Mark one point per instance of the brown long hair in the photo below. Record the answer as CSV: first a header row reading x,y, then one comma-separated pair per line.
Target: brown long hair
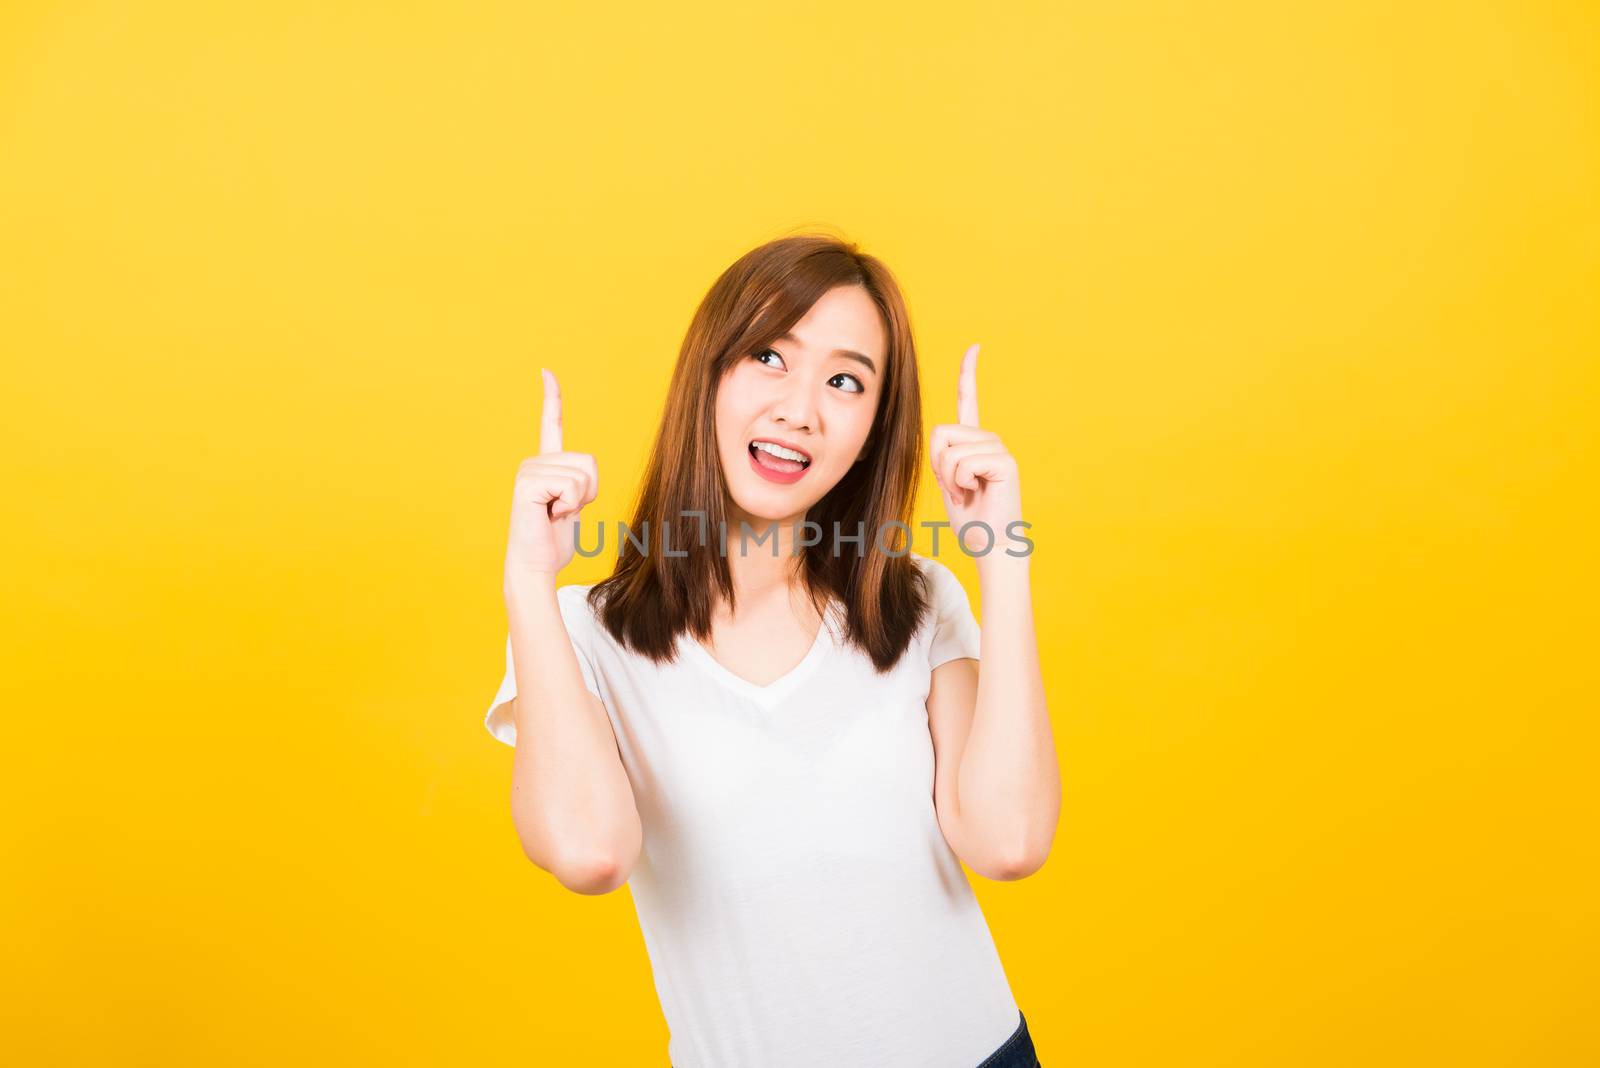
x,y
650,598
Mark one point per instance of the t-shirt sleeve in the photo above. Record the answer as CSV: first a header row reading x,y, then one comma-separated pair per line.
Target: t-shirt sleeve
x,y
955,629
580,623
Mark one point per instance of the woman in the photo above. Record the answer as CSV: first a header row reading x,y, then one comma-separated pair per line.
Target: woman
x,y
781,741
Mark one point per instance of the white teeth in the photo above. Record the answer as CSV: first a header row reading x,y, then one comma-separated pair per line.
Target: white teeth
x,y
779,450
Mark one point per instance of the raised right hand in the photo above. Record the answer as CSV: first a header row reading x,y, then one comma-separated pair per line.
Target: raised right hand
x,y
551,489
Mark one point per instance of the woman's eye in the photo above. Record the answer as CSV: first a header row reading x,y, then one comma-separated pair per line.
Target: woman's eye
x,y
854,385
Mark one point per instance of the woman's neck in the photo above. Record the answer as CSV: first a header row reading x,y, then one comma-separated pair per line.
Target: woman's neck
x,y
756,570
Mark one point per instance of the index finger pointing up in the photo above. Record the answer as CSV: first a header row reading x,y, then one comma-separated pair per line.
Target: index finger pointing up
x,y
967,388
550,420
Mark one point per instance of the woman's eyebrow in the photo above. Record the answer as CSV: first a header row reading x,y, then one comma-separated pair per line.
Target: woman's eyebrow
x,y
849,354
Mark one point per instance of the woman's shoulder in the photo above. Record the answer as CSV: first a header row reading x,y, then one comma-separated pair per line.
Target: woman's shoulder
x,y
573,600
575,592
939,574
946,594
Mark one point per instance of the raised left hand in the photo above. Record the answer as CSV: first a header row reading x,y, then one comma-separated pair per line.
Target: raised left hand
x,y
976,473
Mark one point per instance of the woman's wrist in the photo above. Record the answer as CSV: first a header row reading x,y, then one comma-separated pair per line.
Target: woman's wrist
x,y
1000,568
524,586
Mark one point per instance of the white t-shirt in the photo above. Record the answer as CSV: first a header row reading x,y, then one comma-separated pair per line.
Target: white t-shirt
x,y
798,902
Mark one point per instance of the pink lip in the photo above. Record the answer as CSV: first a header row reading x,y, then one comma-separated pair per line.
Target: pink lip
x,y
782,477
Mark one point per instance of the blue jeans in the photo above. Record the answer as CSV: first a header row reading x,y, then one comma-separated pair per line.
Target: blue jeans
x,y
1016,1051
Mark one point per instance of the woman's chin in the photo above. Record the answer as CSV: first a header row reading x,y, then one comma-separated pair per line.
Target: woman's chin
x,y
764,508
765,514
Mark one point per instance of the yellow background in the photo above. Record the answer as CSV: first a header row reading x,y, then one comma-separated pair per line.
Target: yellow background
x,y
1288,312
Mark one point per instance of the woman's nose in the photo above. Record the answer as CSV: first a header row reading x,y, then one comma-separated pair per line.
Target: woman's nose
x,y
795,409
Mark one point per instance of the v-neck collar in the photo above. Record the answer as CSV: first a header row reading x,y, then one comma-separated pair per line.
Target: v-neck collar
x,y
779,687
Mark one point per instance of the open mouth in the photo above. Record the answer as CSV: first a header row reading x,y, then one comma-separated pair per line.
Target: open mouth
x,y
784,463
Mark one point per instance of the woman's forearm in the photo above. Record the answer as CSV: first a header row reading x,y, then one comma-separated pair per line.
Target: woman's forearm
x,y
571,801
1009,780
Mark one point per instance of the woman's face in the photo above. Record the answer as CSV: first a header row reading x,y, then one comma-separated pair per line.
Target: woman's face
x,y
814,391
